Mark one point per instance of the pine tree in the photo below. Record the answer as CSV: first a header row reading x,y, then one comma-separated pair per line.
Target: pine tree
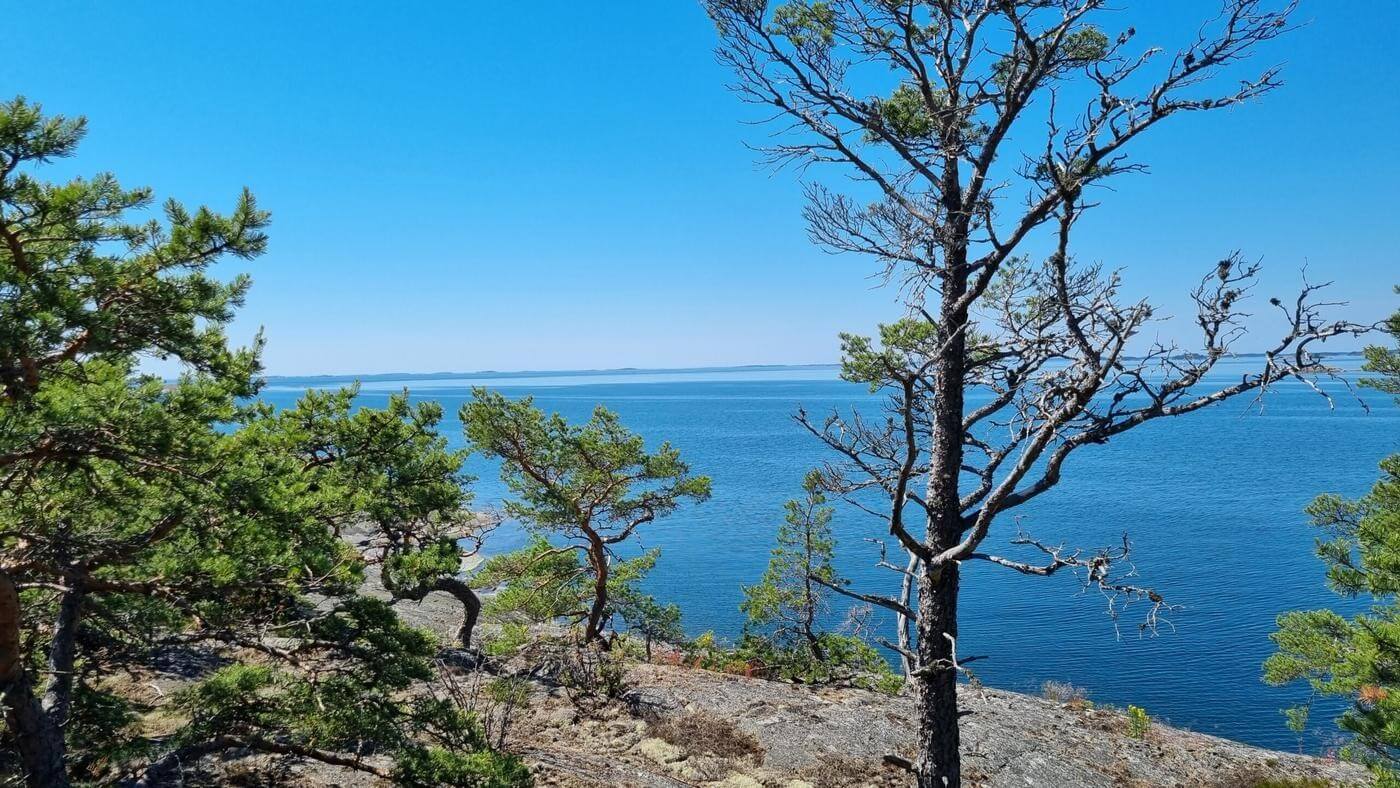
x,y
391,475
787,606
592,485
969,139
83,447
1356,658
789,601
143,521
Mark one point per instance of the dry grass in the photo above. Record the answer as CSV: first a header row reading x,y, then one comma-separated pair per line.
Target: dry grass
x,y
701,732
1066,693
841,771
1263,777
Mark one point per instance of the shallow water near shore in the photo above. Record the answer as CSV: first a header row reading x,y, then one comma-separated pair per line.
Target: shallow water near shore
x,y
1212,502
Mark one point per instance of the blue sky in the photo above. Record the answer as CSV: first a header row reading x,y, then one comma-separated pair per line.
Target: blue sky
x,y
563,185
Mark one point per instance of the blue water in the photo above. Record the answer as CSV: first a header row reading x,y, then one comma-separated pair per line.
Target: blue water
x,y
1213,502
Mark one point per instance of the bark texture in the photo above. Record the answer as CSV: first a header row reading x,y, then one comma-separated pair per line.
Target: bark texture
x,y
38,738
597,611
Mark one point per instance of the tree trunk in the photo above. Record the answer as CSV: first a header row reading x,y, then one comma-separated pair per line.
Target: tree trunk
x,y
938,764
471,606
471,603
598,557
814,643
58,694
38,739
809,600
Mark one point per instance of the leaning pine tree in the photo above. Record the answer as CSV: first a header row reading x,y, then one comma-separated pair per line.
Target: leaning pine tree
x,y
387,481
590,485
972,127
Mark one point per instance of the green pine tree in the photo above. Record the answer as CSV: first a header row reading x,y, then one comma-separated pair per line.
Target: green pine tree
x,y
591,485
789,600
1356,658
786,607
143,521
389,472
543,583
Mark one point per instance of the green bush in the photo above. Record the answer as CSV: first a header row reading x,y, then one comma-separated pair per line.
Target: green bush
x,y
1138,722
511,638
845,659
706,652
888,683
482,769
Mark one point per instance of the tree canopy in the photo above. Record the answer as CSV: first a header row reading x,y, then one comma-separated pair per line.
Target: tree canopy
x,y
593,485
150,526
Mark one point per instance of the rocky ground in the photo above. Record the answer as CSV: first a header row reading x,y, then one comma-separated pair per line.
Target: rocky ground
x,y
685,727
840,737
678,726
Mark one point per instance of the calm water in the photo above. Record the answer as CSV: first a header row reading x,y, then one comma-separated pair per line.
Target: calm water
x,y
1213,502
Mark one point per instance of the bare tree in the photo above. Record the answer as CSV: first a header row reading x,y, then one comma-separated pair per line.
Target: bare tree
x,y
1004,366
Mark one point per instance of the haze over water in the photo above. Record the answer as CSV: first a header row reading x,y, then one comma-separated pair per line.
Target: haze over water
x,y
1212,501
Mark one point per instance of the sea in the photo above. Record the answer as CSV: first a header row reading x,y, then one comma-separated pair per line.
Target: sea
x,y
1212,503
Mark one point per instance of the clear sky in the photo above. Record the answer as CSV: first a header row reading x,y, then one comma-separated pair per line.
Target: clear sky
x,y
563,185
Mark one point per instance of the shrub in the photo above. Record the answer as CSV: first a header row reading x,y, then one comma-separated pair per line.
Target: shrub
x,y
845,659
1264,776
510,690
482,769
889,683
706,652
1066,693
1138,722
652,621
593,677
505,696
465,713
511,638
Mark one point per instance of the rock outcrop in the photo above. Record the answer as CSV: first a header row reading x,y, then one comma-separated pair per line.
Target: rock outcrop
x,y
833,737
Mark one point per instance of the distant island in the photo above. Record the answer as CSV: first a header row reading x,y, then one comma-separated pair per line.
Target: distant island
x,y
538,373
554,373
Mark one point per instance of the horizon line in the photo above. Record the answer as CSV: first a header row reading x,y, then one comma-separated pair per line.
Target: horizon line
x,y
544,372
380,376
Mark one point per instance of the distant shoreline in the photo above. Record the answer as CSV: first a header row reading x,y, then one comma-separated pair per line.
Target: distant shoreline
x,y
541,373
